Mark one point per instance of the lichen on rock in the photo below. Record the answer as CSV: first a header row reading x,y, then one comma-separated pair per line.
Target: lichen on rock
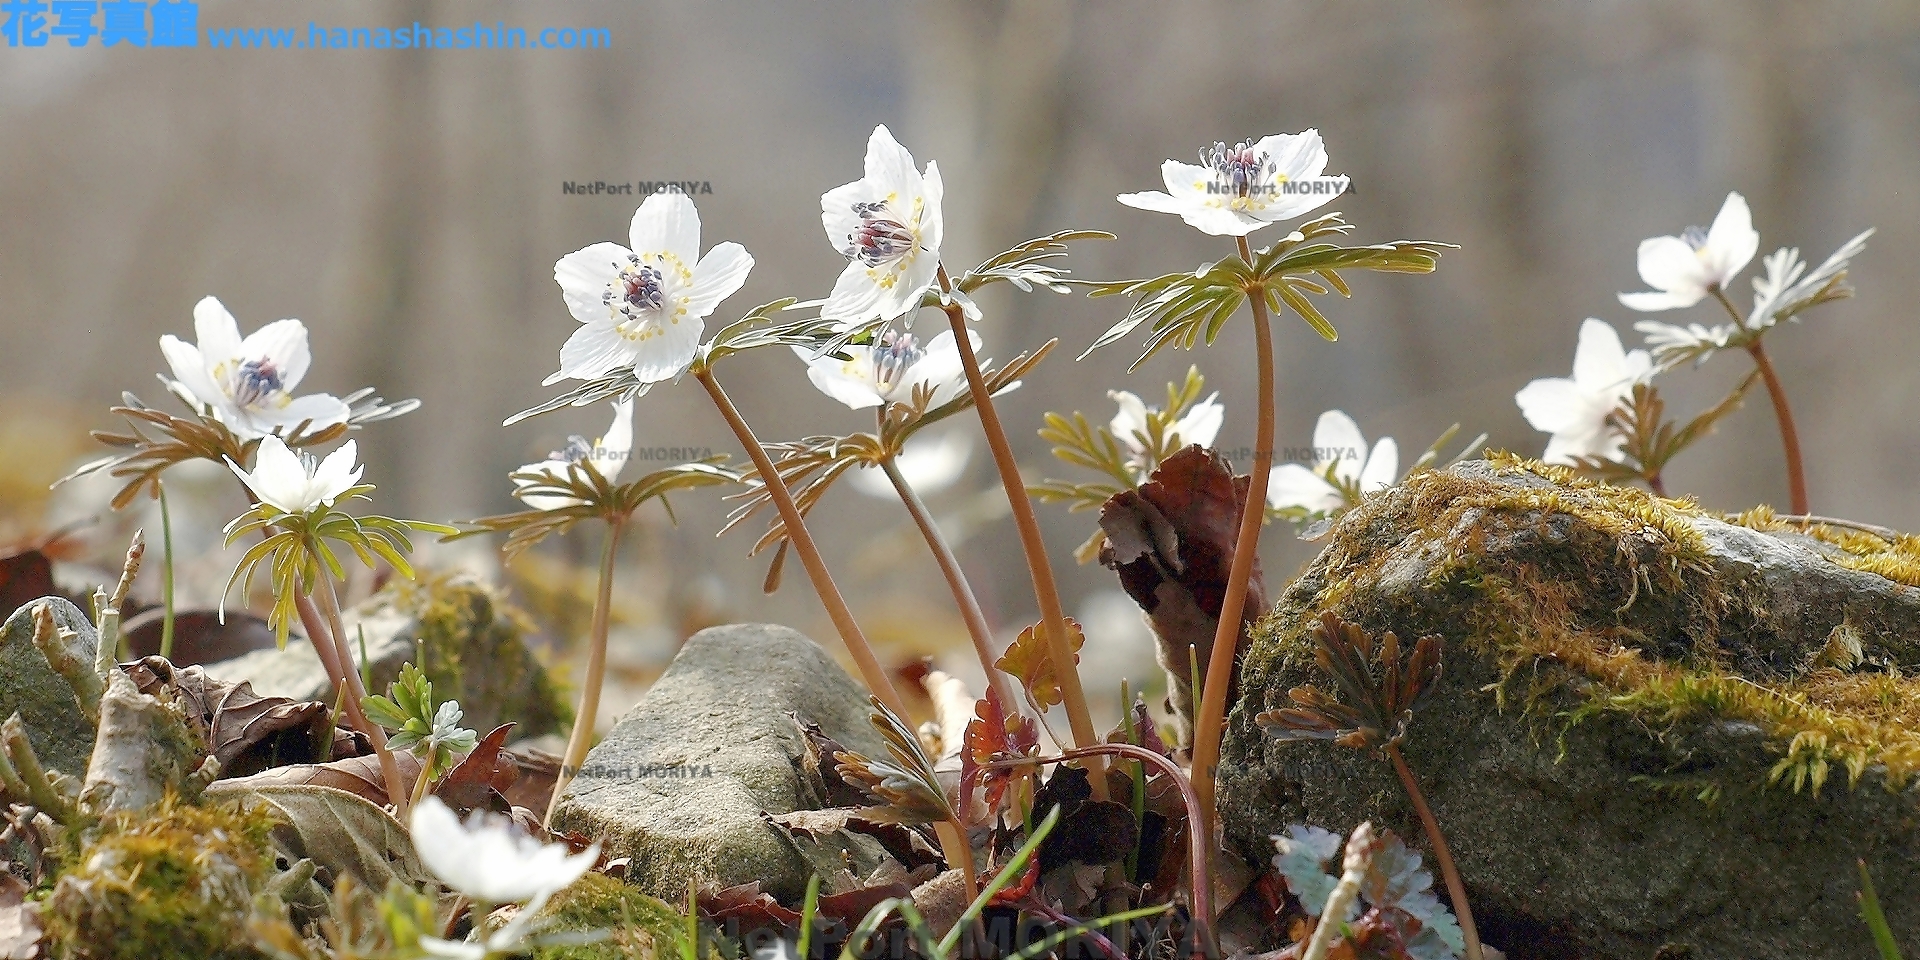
x,y
1654,726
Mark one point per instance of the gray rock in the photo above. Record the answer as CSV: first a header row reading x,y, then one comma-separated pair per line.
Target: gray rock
x,y
62,736
1602,747
684,782
474,645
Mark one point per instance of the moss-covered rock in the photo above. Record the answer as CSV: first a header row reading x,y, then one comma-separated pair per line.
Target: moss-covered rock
x,y
1655,727
470,642
175,882
634,925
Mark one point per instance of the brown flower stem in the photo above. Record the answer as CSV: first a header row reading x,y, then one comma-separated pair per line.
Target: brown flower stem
x,y
1782,411
1053,618
317,635
958,853
963,596
1198,860
350,677
1246,551
588,710
1658,486
1456,891
803,545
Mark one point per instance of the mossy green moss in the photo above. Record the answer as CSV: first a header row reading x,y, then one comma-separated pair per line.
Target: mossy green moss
x,y
176,882
474,649
1615,596
636,925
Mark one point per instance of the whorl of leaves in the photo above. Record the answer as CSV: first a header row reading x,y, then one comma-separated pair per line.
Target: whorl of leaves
x,y
1651,441
903,786
156,440
1187,308
593,495
809,467
1375,690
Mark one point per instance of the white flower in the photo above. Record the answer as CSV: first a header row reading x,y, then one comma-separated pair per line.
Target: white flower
x,y
887,224
645,307
294,482
1685,268
1239,189
888,370
1341,463
1575,410
491,860
1200,424
928,466
608,454
248,383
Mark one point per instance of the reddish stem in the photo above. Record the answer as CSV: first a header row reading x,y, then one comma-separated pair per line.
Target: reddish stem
x,y
1456,891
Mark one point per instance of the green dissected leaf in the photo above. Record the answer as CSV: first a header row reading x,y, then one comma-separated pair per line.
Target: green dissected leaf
x,y
597,498
1185,309
1304,851
1026,265
1078,441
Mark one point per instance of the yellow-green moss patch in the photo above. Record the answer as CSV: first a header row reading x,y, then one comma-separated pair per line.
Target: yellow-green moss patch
x,y
176,882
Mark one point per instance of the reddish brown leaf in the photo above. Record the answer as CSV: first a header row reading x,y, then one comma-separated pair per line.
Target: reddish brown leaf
x,y
992,735
1172,544
356,775
539,773
24,577
481,779
246,732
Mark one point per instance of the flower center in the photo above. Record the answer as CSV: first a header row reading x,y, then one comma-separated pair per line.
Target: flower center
x,y
1695,237
1238,171
255,382
638,289
879,239
892,357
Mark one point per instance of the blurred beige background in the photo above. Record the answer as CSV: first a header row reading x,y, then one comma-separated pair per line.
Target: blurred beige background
x,y
408,206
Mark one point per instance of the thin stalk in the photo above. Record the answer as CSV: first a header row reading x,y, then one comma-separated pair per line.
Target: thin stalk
x,y
1456,891
803,545
421,782
389,770
1198,863
1658,486
1782,411
589,709
963,597
1053,618
1246,551
958,853
166,573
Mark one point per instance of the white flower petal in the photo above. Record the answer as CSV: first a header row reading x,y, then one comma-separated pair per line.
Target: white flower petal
x,y
594,350
1129,424
843,380
487,859
666,223
584,276
1337,438
932,223
718,274
324,410
890,166
615,447
1670,264
334,475
1383,466
1731,241
190,370
1599,362
1652,301
1552,404
1298,156
1292,485
1201,424
217,331
284,343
